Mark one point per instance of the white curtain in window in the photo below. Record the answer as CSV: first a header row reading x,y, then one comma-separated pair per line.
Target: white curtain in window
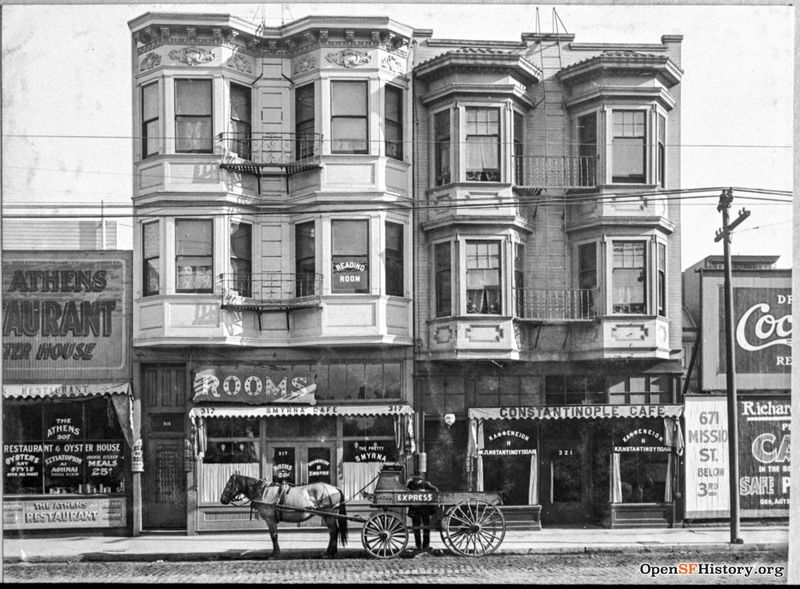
x,y
358,477
214,477
533,488
616,479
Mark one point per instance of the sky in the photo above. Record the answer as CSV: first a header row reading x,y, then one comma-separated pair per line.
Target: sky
x,y
66,101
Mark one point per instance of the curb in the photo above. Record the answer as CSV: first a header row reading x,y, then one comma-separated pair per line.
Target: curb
x,y
306,554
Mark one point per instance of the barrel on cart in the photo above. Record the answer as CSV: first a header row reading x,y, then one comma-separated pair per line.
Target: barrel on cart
x,y
470,523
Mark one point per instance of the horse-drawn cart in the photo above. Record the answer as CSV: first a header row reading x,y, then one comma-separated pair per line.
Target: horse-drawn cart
x,y
470,523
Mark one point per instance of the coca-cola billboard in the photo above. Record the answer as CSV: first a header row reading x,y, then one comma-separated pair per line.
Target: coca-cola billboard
x,y
762,330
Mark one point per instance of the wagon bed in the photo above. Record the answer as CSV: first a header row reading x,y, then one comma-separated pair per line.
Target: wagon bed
x,y
469,522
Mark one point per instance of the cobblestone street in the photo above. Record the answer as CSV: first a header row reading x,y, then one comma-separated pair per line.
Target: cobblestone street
x,y
596,568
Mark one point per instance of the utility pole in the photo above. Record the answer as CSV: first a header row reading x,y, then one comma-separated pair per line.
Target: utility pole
x,y
724,234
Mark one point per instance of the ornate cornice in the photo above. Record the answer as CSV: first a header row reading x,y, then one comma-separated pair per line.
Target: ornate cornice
x,y
239,62
192,55
150,61
349,58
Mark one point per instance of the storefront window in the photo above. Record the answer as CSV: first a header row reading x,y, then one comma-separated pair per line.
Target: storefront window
x,y
643,477
232,445
63,447
367,443
509,460
640,462
570,389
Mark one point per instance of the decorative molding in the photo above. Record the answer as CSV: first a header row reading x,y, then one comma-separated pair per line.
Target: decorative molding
x,y
304,63
150,61
192,55
239,62
349,58
393,64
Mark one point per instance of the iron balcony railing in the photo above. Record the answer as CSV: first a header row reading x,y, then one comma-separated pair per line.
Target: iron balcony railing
x,y
292,151
568,172
556,304
270,290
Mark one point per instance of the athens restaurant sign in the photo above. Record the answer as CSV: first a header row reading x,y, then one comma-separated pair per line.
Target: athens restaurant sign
x,y
63,315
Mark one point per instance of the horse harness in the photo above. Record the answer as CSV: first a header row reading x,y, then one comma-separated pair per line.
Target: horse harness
x,y
283,491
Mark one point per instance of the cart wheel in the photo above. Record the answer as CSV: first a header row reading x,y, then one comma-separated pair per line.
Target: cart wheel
x,y
385,535
473,528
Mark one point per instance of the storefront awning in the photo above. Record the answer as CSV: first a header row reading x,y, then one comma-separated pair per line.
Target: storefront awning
x,y
299,410
577,412
62,390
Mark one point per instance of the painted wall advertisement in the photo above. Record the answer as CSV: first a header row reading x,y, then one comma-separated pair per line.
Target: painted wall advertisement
x,y
65,315
763,449
763,330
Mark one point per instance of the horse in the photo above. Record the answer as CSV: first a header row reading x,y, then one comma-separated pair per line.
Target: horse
x,y
276,502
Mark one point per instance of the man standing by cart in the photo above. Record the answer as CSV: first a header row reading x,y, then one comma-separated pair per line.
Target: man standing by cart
x,y
421,515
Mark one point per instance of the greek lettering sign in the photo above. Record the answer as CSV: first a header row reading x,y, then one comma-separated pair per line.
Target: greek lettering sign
x,y
706,457
576,412
504,439
100,512
65,314
763,330
254,385
642,438
764,461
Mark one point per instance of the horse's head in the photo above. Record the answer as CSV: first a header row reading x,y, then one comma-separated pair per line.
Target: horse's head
x,y
233,489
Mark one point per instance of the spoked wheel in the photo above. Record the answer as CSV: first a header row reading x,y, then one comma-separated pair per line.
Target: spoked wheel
x,y
385,535
473,528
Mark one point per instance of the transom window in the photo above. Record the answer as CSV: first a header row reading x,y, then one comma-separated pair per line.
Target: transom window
x,y
193,123
569,389
483,277
483,144
349,117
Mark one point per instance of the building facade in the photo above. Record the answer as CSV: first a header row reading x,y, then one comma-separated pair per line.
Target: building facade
x,y
69,427
762,329
357,243
548,301
273,240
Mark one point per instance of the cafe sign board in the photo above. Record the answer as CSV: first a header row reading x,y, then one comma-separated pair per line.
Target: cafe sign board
x,y
66,315
67,513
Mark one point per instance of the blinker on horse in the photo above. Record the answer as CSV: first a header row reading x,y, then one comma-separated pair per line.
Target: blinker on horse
x,y
275,502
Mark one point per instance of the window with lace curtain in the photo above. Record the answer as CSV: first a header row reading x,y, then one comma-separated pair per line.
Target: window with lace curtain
x,y
193,123
194,255
483,277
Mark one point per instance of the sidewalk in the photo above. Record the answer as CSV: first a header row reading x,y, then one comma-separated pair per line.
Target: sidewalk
x,y
295,543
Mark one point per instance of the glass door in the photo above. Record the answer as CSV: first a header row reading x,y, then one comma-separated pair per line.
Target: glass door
x,y
301,463
563,490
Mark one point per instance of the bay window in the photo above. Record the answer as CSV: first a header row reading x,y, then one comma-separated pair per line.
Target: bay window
x,y
443,279
350,256
305,259
519,279
483,144
629,146
483,277
393,122
242,258
240,119
193,255
587,149
587,278
304,121
349,118
394,259
193,122
661,162
661,279
150,258
629,277
151,138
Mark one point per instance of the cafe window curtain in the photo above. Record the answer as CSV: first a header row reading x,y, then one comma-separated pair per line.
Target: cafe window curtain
x,y
533,489
123,406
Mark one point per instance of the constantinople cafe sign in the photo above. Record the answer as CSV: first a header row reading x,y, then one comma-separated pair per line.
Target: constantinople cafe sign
x,y
62,316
